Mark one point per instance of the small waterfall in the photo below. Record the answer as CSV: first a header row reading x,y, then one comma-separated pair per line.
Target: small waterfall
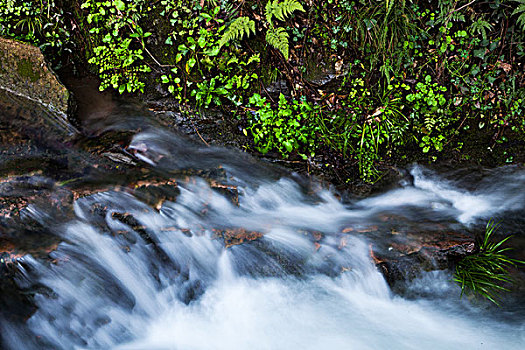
x,y
131,276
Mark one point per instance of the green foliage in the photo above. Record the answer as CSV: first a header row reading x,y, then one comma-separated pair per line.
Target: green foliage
x,y
431,114
119,50
237,29
426,72
373,124
37,22
278,38
485,273
408,80
275,36
206,92
520,11
201,72
377,29
281,10
286,129
481,26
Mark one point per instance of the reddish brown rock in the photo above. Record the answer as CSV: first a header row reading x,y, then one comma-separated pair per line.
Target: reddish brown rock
x,y
409,254
236,236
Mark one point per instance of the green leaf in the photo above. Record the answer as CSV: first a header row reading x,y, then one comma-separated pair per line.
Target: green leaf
x,y
237,30
214,51
278,38
120,5
202,41
288,146
480,53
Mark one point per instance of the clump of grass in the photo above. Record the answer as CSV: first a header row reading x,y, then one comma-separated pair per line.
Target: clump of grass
x,y
486,272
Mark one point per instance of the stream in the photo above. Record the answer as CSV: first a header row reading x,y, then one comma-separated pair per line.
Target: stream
x,y
213,249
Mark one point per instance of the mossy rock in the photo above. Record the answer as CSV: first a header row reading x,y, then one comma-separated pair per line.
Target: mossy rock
x,y
24,72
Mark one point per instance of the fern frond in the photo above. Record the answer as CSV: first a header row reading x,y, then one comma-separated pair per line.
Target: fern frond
x,y
520,10
269,10
237,29
281,10
278,38
480,27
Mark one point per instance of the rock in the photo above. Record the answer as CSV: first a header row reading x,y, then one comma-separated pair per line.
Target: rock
x,y
18,192
409,254
228,191
236,236
24,72
21,236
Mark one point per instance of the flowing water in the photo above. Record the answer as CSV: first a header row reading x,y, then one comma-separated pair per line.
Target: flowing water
x,y
167,281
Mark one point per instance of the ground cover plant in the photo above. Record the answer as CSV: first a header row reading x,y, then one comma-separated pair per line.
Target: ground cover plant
x,y
486,272
368,83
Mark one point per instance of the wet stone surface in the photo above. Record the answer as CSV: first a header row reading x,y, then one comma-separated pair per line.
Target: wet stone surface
x,y
24,71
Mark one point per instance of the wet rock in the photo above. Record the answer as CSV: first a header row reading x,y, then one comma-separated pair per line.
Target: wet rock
x,y
230,192
410,254
277,88
25,125
155,193
15,304
24,72
209,127
18,192
19,238
402,248
236,236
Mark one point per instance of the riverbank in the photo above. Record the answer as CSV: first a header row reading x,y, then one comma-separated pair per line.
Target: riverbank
x,y
346,91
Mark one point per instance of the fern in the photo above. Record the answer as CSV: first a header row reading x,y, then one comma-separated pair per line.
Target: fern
x,y
278,38
520,10
275,36
281,10
237,29
480,27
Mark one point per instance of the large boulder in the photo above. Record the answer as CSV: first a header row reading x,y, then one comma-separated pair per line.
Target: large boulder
x,y
24,72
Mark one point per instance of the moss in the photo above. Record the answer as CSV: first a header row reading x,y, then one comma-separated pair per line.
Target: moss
x,y
25,69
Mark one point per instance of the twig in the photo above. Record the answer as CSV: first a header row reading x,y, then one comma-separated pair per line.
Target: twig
x,y
156,61
454,135
462,7
197,131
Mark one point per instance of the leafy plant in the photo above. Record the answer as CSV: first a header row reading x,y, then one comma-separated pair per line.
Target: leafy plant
x,y
199,71
485,272
430,113
275,36
208,92
281,10
481,26
237,29
381,27
278,38
520,11
287,129
39,22
119,53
